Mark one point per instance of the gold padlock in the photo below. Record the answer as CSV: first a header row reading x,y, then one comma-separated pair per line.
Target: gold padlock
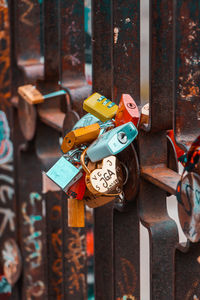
x,y
30,94
80,136
104,180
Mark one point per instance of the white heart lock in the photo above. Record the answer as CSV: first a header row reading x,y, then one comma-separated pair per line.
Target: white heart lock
x,y
108,177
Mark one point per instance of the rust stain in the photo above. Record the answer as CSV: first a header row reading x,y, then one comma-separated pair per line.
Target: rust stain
x,y
75,255
128,281
23,18
4,57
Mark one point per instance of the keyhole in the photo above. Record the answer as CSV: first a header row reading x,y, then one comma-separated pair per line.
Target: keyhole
x,y
131,105
122,137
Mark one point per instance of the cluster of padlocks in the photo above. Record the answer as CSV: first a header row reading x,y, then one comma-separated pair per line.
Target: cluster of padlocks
x,y
89,171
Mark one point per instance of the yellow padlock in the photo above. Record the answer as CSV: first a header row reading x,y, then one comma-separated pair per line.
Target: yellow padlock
x,y
30,94
80,136
101,107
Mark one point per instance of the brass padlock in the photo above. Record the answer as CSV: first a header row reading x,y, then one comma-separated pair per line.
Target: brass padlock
x,y
80,136
33,96
104,180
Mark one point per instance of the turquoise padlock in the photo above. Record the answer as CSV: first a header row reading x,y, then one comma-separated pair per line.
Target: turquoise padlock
x,y
64,173
112,142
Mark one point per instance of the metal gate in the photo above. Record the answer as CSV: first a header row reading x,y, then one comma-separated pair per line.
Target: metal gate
x,y
42,43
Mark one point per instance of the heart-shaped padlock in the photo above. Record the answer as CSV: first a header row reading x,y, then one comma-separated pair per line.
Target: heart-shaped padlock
x,y
104,180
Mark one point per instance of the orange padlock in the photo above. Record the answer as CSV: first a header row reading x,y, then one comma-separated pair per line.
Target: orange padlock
x,y
127,111
80,136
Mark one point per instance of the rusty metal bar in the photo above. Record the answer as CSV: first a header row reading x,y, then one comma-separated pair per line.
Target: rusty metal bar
x,y
72,53
161,64
187,123
125,49
186,77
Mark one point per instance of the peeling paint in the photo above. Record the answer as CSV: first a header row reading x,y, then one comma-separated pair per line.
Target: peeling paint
x,y
116,34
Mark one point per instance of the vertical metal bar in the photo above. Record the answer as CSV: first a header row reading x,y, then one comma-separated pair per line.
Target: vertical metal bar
x,y
187,62
102,47
187,122
72,45
32,226
8,204
102,83
126,49
51,40
153,213
72,52
48,154
27,13
126,79
161,62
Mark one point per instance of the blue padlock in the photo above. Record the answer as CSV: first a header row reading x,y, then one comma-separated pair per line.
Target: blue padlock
x,y
64,173
112,142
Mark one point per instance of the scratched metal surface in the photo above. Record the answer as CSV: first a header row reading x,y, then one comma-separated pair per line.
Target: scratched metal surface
x,y
27,31
187,122
8,202
126,79
186,80
161,61
102,83
163,231
126,49
53,205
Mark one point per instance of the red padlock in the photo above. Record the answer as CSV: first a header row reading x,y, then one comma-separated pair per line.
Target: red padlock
x,y
76,207
127,111
179,151
77,190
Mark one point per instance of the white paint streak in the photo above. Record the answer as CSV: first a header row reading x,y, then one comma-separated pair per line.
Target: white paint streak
x,y
116,34
8,218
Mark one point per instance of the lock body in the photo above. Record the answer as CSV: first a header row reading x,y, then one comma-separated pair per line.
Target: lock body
x,y
76,212
101,107
77,190
127,111
104,181
30,94
80,136
64,173
33,96
106,178
112,142
86,120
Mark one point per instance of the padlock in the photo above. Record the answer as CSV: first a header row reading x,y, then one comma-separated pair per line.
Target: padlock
x,y
86,120
104,180
76,208
144,118
127,111
76,212
64,173
77,190
89,119
80,136
112,142
33,96
101,107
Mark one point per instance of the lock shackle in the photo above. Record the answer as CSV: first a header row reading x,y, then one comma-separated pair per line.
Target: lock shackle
x,y
85,168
